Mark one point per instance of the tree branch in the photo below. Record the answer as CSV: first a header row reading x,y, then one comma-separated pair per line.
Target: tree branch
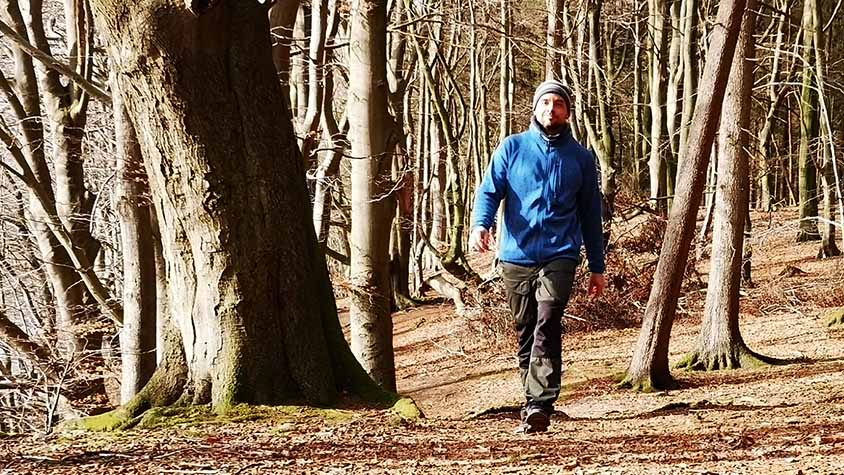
x,y
52,63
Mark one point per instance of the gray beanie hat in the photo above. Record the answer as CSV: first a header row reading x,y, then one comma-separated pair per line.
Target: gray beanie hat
x,y
557,88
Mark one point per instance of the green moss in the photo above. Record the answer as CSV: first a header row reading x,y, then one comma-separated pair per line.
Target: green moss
x,y
187,418
835,317
106,422
407,410
176,416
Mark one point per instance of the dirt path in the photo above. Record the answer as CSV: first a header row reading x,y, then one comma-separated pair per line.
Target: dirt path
x,y
784,419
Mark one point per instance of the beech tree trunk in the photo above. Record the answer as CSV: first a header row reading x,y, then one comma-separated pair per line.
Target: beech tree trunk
x,y
506,72
720,344
369,129
131,199
649,367
64,194
807,178
553,39
248,289
658,57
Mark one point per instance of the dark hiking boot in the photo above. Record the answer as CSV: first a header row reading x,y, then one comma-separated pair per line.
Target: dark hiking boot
x,y
537,419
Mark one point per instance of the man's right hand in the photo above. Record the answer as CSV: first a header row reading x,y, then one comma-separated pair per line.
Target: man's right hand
x,y
481,240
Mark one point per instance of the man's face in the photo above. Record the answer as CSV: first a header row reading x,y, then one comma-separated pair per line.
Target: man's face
x,y
551,111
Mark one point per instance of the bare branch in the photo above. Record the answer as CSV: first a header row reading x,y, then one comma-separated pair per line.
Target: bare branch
x,y
52,63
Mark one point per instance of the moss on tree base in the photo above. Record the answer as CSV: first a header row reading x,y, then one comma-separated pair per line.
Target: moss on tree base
x,y
835,318
405,410
726,360
648,384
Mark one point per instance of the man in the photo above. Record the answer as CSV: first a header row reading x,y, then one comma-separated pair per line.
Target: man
x,y
552,205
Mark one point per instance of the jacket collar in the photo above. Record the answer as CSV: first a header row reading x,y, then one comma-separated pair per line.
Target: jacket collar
x,y
556,139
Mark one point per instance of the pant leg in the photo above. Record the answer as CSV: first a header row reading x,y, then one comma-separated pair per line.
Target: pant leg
x,y
518,283
553,289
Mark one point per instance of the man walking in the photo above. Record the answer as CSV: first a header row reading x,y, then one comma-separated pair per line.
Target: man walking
x,y
552,205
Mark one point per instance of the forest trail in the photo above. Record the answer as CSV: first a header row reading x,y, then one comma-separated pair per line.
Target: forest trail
x,y
783,419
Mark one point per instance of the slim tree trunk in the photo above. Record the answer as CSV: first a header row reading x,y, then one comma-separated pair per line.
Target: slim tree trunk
x,y
282,19
720,344
649,366
138,335
369,126
316,86
60,214
658,57
828,176
807,180
639,142
552,39
506,76
690,73
673,95
766,175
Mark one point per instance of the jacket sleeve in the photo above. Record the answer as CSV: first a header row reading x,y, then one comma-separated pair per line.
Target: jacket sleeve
x,y
492,190
589,209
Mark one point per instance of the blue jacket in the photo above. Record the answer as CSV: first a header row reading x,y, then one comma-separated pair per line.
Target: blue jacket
x,y
552,203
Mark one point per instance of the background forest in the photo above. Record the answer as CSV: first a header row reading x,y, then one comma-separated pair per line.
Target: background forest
x,y
396,112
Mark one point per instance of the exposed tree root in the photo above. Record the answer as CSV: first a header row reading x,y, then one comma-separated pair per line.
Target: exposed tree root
x,y
170,393
835,318
828,250
648,384
403,302
739,357
807,236
166,386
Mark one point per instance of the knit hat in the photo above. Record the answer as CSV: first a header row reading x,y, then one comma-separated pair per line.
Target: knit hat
x,y
557,88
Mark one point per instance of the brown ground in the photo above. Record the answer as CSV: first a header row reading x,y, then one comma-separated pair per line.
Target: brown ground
x,y
785,419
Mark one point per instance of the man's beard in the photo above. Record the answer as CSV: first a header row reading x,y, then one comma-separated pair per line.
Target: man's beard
x,y
552,127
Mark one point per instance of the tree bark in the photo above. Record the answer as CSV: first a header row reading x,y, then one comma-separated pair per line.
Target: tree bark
x,y
369,127
720,344
658,57
553,37
248,288
506,73
649,366
807,178
132,202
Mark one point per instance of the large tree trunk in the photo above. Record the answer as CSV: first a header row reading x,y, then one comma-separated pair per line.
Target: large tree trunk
x,y
248,289
720,344
369,128
649,366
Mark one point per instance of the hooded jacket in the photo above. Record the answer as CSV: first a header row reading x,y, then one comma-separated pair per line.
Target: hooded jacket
x,y
552,204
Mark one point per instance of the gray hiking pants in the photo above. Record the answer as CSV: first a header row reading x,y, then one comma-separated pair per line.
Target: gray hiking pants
x,y
538,296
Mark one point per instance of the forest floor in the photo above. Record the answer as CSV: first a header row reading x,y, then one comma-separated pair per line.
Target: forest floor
x,y
780,419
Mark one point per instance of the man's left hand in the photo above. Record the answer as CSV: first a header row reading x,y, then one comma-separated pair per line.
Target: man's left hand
x,y
597,284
